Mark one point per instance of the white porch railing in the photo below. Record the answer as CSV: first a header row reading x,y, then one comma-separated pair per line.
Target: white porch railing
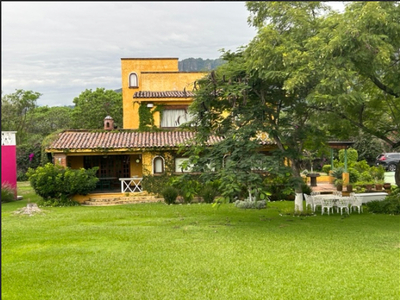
x,y
131,184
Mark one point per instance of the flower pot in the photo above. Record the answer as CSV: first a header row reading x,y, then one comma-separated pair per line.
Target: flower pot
x,y
339,187
349,188
387,185
368,187
378,187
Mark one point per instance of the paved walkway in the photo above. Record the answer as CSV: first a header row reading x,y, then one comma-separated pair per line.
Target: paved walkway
x,y
324,187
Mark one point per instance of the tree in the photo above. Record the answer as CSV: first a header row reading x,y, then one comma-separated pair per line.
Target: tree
x,y
91,107
16,112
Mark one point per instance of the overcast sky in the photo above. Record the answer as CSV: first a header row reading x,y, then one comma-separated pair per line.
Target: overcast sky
x,y
60,49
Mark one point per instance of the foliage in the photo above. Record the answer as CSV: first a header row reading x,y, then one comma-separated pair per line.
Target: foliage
x,y
390,205
352,155
377,173
338,172
209,191
169,193
248,204
63,201
366,177
155,183
187,185
7,193
56,182
91,107
16,112
326,168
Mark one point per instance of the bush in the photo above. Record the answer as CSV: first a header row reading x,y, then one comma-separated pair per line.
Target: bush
x,y
63,201
247,204
7,193
208,193
326,168
56,182
155,184
391,204
169,193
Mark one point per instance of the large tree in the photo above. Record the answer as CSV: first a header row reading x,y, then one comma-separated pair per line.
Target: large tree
x,y
17,112
91,107
299,79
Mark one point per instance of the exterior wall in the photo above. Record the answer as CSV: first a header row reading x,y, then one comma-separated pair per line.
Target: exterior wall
x,y
75,162
9,160
154,74
60,159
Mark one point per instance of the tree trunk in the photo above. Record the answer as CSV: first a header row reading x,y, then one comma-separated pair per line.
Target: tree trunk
x,y
298,200
397,175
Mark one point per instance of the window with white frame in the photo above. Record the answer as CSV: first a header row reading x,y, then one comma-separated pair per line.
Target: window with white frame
x,y
179,168
158,165
175,117
133,80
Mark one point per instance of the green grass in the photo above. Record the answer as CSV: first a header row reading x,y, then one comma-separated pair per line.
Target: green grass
x,y
158,251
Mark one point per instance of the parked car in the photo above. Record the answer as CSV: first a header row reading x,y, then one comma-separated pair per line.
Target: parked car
x,y
388,160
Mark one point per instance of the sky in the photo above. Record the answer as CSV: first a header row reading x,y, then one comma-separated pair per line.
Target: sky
x,y
60,49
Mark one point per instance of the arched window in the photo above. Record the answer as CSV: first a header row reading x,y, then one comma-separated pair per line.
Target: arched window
x,y
133,80
158,165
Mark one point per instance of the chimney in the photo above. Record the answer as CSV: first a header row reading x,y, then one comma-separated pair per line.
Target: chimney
x,y
108,123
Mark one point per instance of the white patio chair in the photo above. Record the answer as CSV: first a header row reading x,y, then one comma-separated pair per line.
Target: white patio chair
x,y
315,193
327,204
356,203
317,201
343,204
309,201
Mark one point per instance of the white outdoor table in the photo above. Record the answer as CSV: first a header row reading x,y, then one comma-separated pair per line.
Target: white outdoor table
x,y
131,184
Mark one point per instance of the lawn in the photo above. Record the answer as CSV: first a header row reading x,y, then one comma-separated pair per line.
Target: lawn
x,y
159,251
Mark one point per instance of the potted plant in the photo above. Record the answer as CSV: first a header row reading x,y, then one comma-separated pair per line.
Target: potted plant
x,y
339,184
378,185
387,185
349,188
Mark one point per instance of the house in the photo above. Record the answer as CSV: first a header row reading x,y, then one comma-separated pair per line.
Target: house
x,y
156,97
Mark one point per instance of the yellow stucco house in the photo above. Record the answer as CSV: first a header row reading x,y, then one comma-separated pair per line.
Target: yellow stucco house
x,y
153,91
156,96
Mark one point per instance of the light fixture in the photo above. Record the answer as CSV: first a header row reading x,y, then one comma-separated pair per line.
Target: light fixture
x,y
150,104
137,160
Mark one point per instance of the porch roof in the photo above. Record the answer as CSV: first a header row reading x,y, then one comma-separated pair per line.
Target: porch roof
x,y
86,140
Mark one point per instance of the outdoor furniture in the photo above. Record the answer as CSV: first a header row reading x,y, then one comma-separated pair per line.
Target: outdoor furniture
x,y
313,178
131,184
327,204
317,201
356,203
343,203
309,201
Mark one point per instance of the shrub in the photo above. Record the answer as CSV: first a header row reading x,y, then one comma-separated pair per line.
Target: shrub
x,y
7,193
155,184
63,201
391,204
208,193
247,204
366,177
326,168
169,193
56,182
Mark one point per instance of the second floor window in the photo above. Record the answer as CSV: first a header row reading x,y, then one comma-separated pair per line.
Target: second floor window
x,y
133,80
175,117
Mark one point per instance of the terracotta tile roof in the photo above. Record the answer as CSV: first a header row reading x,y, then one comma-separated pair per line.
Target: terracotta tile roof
x,y
85,140
166,94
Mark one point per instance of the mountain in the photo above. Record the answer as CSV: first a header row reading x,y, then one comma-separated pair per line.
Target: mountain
x,y
198,64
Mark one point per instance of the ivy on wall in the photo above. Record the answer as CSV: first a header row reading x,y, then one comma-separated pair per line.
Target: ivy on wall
x,y
146,120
